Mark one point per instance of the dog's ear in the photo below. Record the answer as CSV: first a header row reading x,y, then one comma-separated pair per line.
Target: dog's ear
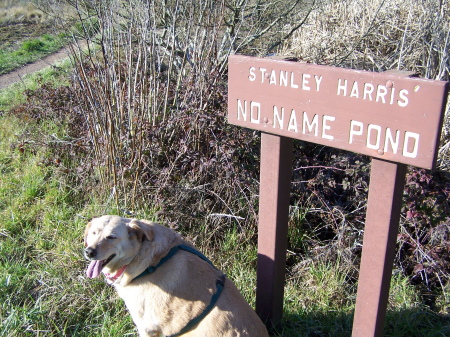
x,y
142,230
86,231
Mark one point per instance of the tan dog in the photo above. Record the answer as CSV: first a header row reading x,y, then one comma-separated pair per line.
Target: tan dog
x,y
168,286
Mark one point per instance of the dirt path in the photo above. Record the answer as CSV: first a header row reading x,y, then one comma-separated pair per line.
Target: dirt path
x,y
16,75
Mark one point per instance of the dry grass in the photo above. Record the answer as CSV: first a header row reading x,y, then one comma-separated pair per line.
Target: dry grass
x,y
378,35
15,12
152,135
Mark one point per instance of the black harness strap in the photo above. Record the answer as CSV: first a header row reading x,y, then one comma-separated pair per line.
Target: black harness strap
x,y
219,284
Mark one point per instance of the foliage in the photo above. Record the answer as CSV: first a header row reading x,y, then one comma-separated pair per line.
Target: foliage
x,y
29,51
159,62
145,134
154,98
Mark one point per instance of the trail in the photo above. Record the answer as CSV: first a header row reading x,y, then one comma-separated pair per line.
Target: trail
x,y
18,74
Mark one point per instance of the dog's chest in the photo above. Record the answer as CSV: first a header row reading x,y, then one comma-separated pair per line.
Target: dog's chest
x,y
142,303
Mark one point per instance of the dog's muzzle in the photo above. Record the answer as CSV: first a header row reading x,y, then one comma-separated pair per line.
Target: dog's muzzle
x,y
90,253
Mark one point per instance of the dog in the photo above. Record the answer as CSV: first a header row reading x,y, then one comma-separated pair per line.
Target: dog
x,y
168,286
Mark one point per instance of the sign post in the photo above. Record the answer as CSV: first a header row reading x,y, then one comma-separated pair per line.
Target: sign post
x,y
276,171
394,119
380,237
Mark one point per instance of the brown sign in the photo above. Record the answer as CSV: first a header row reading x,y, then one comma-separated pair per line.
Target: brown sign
x,y
382,115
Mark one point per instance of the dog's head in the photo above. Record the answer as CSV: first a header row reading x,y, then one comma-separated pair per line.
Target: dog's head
x,y
112,243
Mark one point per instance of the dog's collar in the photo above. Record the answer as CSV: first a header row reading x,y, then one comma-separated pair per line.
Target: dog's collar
x,y
219,284
170,254
112,278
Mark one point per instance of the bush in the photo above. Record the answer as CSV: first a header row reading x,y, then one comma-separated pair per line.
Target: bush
x,y
152,88
33,45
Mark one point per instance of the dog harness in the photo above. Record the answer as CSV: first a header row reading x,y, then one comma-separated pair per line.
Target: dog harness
x,y
219,284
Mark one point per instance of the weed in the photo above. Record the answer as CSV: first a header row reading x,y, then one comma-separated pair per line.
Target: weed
x,y
29,51
149,138
33,45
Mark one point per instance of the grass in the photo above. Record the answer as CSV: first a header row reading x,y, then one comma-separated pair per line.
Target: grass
x,y
41,224
29,51
54,75
40,250
43,290
43,210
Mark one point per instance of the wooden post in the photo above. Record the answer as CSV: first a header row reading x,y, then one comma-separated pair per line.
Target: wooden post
x,y
274,193
395,119
380,235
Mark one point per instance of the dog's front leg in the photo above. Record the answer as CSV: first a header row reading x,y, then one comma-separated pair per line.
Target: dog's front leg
x,y
147,332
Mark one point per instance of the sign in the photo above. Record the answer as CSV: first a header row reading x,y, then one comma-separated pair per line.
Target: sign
x,y
394,119
382,115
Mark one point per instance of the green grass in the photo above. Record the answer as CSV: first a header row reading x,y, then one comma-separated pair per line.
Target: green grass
x,y
29,51
43,290
42,284
55,75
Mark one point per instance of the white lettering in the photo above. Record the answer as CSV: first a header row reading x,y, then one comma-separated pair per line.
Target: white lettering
x,y
326,127
242,111
305,82
415,145
353,131
252,76
293,122
368,89
273,77
403,95
392,96
342,87
255,106
284,78
355,90
318,80
381,93
277,117
376,136
310,126
370,137
389,139
263,74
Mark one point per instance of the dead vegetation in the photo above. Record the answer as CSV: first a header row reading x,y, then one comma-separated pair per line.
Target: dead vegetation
x,y
150,99
378,36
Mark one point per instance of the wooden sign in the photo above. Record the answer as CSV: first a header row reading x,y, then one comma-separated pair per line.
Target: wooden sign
x,y
382,115
395,119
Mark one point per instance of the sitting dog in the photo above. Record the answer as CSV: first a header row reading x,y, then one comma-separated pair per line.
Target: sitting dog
x,y
168,286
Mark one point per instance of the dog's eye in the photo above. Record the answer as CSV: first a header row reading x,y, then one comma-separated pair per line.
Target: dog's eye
x,y
110,237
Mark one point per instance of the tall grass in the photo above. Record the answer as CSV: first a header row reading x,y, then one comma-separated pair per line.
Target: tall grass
x,y
377,36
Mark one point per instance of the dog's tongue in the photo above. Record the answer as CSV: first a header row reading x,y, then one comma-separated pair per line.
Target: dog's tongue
x,y
94,269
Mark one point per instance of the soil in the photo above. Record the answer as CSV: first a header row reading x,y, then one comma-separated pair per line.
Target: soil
x,y
16,75
13,34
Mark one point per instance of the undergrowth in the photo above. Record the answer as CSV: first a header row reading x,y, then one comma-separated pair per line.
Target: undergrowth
x,y
50,189
148,138
29,51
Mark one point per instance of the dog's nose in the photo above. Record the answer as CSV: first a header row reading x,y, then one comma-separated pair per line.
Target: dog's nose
x,y
90,252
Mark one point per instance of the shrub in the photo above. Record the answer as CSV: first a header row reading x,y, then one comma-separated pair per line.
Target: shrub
x,y
33,45
152,89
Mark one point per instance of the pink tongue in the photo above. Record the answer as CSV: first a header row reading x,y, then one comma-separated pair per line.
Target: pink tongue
x,y
94,269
